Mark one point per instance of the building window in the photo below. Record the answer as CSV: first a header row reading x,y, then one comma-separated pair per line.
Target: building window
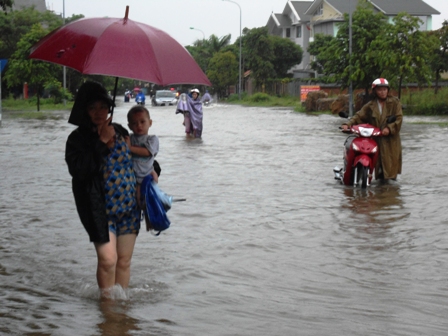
x,y
320,9
288,32
298,31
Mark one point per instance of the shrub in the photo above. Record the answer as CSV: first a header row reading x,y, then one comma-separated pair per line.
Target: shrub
x,y
234,97
57,92
436,108
260,98
425,102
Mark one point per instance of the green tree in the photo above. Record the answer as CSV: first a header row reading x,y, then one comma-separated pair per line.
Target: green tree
x,y
203,50
223,71
74,17
403,52
332,56
215,44
286,55
15,24
317,48
21,69
4,4
439,56
259,55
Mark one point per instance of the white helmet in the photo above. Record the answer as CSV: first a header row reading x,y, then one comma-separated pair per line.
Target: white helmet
x,y
380,82
195,90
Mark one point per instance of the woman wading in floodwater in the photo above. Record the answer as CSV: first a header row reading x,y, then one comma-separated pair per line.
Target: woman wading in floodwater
x,y
103,185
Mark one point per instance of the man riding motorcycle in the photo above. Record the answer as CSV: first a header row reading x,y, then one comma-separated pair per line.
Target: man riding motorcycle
x,y
376,112
140,98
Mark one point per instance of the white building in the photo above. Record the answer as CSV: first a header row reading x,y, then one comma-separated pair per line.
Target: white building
x,y
301,20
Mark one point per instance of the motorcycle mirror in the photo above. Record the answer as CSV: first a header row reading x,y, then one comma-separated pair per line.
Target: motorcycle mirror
x,y
391,119
343,114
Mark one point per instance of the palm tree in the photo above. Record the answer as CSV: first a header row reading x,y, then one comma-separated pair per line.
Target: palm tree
x,y
203,50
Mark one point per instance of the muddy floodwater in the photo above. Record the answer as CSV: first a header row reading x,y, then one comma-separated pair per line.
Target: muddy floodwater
x,y
267,242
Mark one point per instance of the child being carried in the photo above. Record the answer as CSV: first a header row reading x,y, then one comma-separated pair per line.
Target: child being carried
x,y
144,149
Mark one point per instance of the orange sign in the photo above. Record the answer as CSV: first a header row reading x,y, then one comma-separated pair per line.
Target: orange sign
x,y
304,89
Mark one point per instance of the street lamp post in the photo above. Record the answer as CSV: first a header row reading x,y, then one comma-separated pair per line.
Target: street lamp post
x,y
63,68
350,89
203,35
239,83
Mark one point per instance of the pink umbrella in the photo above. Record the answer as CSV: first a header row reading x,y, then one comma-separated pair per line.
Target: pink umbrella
x,y
120,48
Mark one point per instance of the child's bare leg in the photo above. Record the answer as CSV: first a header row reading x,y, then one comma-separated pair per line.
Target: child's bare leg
x,y
142,204
155,177
148,222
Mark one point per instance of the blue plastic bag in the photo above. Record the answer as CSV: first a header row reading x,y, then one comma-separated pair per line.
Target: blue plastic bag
x,y
157,203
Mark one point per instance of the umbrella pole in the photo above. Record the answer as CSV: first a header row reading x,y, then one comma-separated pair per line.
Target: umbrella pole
x,y
115,94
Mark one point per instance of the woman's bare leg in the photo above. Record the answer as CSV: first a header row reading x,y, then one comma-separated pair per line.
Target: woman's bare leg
x,y
125,249
187,122
107,262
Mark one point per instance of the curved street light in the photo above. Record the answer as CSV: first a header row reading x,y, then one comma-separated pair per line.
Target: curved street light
x,y
239,84
203,35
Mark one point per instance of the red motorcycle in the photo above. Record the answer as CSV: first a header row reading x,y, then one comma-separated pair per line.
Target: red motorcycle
x,y
360,155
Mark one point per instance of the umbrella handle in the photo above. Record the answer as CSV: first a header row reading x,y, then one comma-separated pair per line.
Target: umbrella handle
x,y
115,94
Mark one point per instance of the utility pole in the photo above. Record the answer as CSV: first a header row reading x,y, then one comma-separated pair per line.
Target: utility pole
x,y
239,81
63,68
350,89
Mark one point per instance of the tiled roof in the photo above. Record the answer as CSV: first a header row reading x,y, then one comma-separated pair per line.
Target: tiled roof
x,y
388,7
301,7
413,7
284,20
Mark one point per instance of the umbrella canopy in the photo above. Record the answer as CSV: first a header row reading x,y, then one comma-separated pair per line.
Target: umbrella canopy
x,y
120,48
136,89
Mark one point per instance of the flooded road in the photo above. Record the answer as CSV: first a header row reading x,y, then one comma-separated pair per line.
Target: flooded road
x,y
267,243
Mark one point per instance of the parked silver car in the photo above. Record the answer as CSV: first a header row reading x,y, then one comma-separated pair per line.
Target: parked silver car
x,y
164,98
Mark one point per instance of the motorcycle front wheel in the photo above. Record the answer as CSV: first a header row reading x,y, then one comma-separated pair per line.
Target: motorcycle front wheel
x,y
364,176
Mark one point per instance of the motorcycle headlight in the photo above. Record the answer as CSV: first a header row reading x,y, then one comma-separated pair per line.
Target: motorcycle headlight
x,y
356,148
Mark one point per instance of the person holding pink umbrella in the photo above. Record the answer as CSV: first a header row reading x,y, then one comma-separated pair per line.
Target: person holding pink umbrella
x,y
104,185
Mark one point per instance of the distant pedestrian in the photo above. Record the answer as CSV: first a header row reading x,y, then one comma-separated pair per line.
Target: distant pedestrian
x,y
191,108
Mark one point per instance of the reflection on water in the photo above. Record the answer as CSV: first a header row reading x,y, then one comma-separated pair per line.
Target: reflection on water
x,y
380,204
267,243
116,321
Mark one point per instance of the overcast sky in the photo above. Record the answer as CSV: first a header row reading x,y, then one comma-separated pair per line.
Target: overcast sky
x,y
207,16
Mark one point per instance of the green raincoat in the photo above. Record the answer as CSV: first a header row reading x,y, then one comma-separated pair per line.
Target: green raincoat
x,y
390,157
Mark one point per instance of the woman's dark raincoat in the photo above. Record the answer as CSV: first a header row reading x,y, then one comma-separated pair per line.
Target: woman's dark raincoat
x,y
390,159
85,154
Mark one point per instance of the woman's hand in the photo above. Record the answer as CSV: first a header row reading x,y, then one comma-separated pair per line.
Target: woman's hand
x,y
127,139
386,131
106,132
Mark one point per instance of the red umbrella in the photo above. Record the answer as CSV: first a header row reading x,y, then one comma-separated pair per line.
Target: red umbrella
x,y
120,48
